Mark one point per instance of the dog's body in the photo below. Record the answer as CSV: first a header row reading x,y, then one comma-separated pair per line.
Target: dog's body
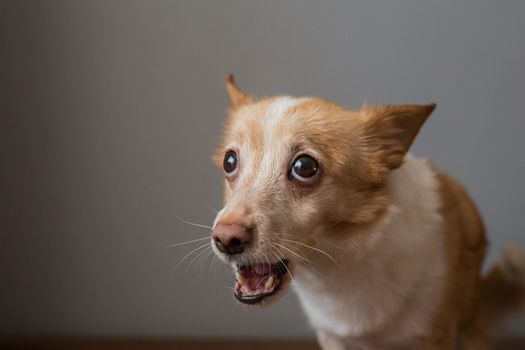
x,y
384,250
396,291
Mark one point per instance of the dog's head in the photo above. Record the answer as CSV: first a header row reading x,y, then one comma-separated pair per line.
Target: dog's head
x,y
296,171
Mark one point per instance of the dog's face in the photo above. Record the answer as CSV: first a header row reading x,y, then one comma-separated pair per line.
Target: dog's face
x,y
296,169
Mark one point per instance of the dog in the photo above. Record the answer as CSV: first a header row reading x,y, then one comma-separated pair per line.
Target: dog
x,y
383,250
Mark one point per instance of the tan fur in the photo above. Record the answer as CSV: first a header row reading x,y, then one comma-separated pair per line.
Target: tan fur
x,y
503,287
461,313
355,205
392,129
237,97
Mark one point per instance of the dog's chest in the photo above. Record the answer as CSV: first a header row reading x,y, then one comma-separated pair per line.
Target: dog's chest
x,y
334,313
380,301
363,304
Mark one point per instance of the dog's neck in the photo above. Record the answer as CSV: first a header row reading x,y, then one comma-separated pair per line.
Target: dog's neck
x,y
384,271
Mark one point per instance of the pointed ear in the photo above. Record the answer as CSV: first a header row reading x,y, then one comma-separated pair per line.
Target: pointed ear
x,y
237,96
389,132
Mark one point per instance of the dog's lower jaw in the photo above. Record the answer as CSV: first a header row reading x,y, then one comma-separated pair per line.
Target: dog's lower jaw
x,y
388,295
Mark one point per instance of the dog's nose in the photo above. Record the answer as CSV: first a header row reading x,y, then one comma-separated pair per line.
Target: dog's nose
x,y
231,239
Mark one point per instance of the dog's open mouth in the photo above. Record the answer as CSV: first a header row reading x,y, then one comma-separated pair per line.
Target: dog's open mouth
x,y
257,282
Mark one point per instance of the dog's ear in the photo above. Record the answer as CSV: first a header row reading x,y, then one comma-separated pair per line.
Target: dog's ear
x,y
389,132
237,96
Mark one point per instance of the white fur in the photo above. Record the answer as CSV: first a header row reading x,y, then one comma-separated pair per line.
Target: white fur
x,y
277,110
275,115
272,154
386,288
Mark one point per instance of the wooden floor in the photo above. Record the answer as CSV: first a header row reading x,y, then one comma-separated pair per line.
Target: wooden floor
x,y
91,343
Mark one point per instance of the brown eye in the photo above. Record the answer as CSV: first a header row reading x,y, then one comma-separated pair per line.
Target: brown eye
x,y
304,169
230,163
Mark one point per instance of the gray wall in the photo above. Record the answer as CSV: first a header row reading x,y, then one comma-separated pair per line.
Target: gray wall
x,y
110,111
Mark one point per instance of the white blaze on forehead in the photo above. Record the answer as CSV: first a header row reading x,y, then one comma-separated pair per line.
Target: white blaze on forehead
x,y
278,108
274,148
276,112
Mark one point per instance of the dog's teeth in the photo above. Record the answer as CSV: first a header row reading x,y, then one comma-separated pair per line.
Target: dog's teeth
x,y
239,278
268,284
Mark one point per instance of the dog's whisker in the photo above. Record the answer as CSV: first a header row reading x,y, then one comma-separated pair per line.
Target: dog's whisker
x,y
286,267
315,249
312,267
337,246
204,260
267,260
304,259
294,252
212,262
194,259
265,241
211,207
352,244
186,242
200,260
193,223
186,256
230,288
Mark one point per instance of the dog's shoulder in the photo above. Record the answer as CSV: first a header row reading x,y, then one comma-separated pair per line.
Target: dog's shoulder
x,y
460,213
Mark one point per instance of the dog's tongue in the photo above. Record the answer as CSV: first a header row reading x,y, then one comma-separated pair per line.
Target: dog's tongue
x,y
256,279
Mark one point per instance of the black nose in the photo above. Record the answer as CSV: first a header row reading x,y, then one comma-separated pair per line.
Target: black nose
x,y
233,246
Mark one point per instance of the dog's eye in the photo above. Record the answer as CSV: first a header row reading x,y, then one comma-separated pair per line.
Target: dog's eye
x,y
304,169
230,163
